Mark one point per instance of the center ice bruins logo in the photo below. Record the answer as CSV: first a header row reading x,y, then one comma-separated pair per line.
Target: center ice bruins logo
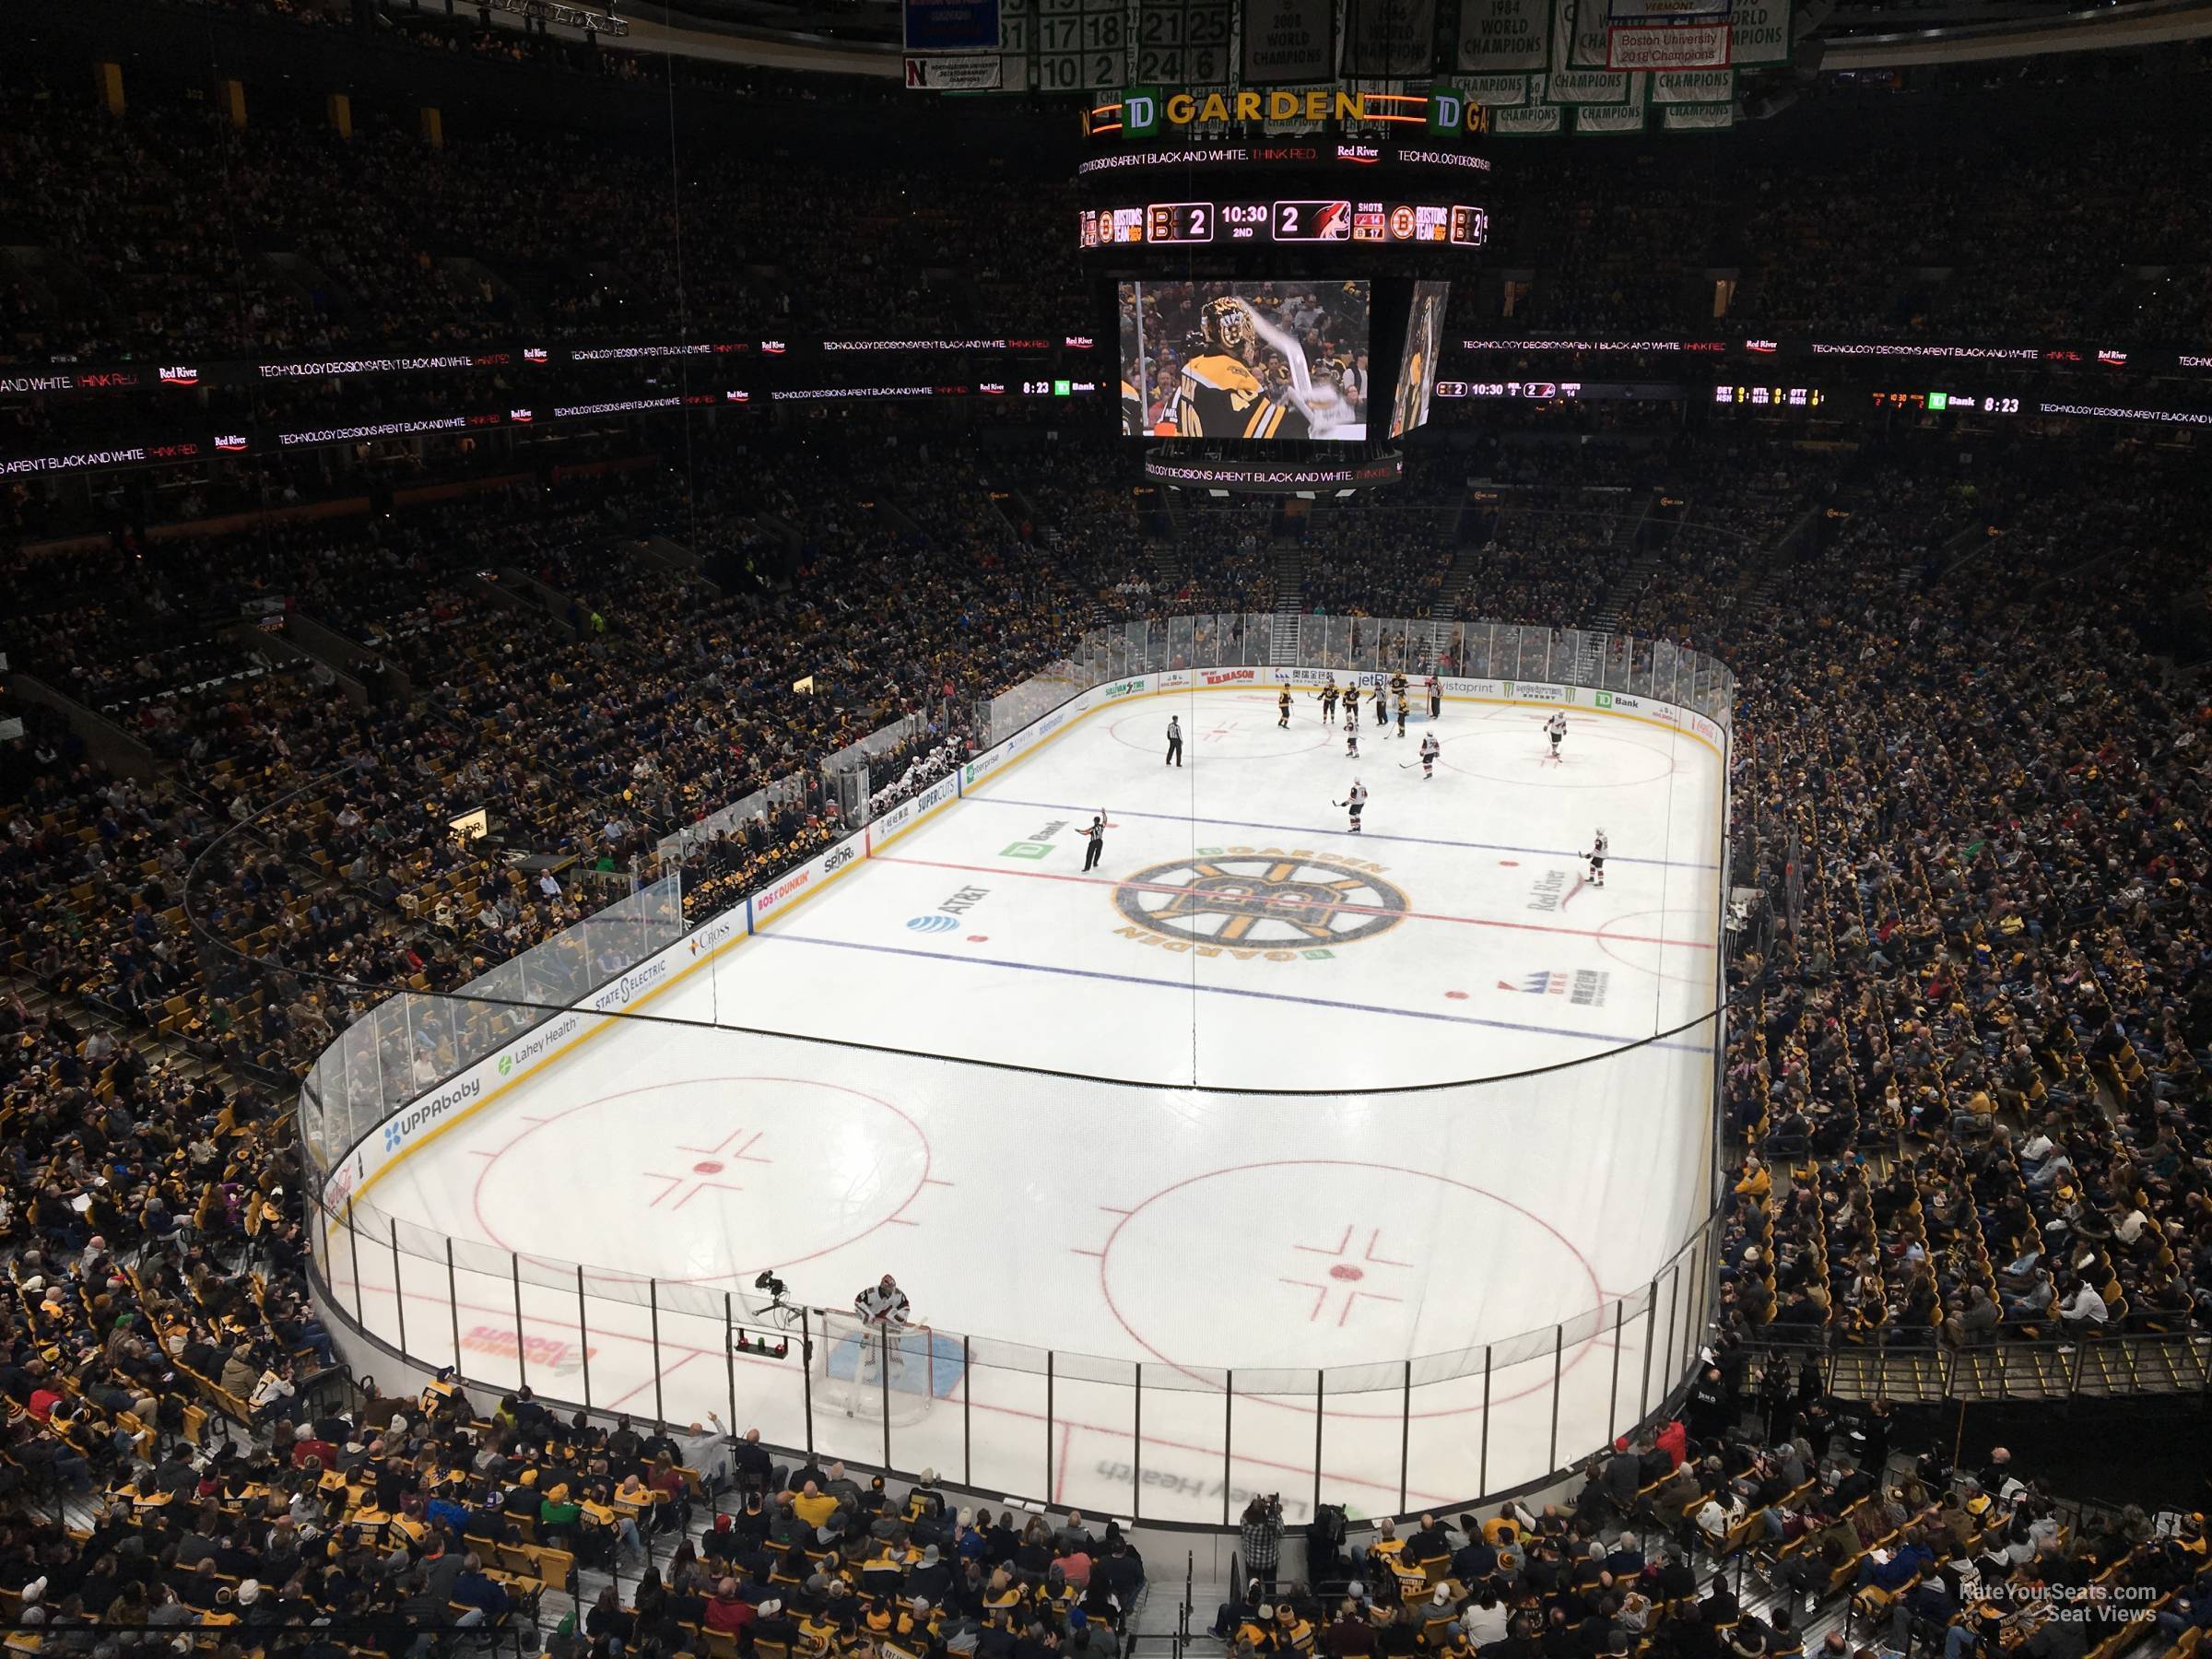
x,y
1243,900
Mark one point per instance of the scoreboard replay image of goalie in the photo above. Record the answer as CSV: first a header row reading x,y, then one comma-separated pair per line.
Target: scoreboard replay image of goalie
x,y
1278,359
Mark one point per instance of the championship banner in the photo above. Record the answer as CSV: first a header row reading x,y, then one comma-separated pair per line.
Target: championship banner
x,y
1288,41
1761,32
982,72
1615,121
1591,86
1389,39
1627,13
1495,91
1694,86
1668,46
1696,118
1498,35
1531,121
951,25
1578,34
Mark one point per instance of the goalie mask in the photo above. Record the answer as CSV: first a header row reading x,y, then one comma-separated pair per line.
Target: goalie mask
x,y
1225,325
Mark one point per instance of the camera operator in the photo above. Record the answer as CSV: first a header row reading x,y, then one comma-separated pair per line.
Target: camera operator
x,y
1260,1535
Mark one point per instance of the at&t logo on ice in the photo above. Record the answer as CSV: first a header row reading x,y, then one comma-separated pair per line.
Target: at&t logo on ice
x,y
947,915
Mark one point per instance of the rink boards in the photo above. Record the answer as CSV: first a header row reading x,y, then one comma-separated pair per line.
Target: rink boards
x,y
1516,1235
634,991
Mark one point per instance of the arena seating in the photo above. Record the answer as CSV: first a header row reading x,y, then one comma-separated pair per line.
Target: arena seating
x,y
443,248
1966,1085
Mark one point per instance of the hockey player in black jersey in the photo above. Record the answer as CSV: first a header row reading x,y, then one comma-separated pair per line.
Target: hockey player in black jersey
x,y
1223,396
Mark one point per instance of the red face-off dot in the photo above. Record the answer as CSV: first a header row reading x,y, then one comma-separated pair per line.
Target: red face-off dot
x,y
706,1167
1345,1270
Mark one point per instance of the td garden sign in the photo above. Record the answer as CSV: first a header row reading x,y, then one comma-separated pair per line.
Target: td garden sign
x,y
1144,111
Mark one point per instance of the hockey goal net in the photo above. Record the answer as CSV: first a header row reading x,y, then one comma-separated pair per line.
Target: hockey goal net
x,y
873,1372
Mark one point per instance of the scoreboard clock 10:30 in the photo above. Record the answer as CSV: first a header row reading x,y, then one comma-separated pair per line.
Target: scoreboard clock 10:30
x,y
1458,224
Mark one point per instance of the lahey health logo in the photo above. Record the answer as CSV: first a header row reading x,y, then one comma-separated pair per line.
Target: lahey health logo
x,y
510,1064
402,1125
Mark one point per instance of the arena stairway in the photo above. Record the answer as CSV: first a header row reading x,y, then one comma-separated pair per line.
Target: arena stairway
x,y
1632,582
1458,580
1290,604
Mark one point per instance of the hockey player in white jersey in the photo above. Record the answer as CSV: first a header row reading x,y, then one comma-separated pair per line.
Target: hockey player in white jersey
x,y
1357,802
1430,748
883,1303
882,1308
1556,728
1598,859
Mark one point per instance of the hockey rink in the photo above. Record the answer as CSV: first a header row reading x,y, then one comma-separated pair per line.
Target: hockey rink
x,y
1059,1134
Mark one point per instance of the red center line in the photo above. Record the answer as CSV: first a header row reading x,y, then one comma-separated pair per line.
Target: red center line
x,y
1354,909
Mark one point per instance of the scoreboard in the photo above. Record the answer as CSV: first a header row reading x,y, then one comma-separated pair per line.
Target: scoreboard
x,y
1343,220
1094,45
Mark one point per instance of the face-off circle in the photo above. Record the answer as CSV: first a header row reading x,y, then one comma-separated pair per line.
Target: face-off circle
x,y
1261,901
1247,732
1686,957
1324,1263
710,1177
1600,760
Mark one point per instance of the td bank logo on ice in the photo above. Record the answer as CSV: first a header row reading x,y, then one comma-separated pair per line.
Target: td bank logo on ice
x,y
1269,905
1038,844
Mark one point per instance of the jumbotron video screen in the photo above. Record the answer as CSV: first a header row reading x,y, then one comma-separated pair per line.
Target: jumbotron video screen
x,y
1276,358
1417,363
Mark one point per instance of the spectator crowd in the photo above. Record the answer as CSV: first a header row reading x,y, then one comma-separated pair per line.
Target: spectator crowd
x,y
1966,1082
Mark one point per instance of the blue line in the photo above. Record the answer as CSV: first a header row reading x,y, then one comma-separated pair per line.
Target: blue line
x,y
1372,835
1154,984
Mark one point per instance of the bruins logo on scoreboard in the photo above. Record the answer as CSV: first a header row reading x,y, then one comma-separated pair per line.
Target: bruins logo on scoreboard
x,y
1277,904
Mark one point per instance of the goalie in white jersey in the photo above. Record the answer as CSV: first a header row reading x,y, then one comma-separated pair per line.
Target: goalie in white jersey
x,y
882,1308
883,1303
